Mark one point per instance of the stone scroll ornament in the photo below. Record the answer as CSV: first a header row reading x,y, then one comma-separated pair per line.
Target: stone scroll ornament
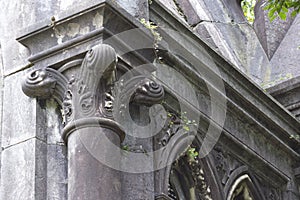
x,y
138,87
44,83
79,98
82,96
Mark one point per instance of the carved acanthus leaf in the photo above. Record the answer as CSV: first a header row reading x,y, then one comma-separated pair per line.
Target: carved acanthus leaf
x,y
99,63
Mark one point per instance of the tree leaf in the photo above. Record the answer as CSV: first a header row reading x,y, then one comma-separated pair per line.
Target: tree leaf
x,y
282,15
272,18
294,13
271,13
284,9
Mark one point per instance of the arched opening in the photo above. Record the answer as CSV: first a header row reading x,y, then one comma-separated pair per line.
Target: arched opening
x,y
188,181
243,189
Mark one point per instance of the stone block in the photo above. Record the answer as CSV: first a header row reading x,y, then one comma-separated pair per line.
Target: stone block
x,y
23,171
137,8
175,9
57,172
16,105
285,61
189,12
137,186
15,16
53,123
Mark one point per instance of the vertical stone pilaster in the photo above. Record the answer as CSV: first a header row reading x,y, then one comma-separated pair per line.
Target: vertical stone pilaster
x,y
91,137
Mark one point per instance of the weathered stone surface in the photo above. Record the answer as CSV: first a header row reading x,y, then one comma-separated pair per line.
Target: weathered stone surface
x,y
137,8
15,16
23,171
53,123
229,32
137,186
16,128
18,17
57,179
257,131
1,100
189,12
57,164
269,33
173,8
89,176
288,94
285,61
256,140
203,32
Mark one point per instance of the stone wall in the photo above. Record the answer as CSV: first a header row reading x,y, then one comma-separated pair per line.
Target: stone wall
x,y
33,152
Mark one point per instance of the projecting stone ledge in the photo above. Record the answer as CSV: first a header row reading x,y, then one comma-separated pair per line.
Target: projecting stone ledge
x,y
288,94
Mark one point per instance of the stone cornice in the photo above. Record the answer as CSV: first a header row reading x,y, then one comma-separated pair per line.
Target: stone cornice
x,y
74,34
245,93
287,93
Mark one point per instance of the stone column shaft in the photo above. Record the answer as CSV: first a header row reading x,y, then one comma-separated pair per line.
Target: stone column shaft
x,y
92,138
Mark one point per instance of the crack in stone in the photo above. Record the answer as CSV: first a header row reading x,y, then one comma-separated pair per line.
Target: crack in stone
x,y
18,70
232,22
180,11
20,142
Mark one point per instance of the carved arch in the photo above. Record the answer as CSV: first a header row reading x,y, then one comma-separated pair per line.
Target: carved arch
x,y
184,180
242,186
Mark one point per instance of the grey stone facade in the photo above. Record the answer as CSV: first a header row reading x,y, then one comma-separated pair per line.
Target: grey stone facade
x,y
140,99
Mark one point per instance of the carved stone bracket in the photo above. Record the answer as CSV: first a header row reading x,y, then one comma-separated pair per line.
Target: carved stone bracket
x,y
148,92
139,89
45,83
94,91
99,63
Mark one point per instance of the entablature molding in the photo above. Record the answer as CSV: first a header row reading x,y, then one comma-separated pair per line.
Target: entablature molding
x,y
244,98
54,54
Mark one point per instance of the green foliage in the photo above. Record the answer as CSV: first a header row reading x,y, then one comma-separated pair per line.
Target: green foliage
x,y
153,28
191,153
280,8
248,9
125,147
186,123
